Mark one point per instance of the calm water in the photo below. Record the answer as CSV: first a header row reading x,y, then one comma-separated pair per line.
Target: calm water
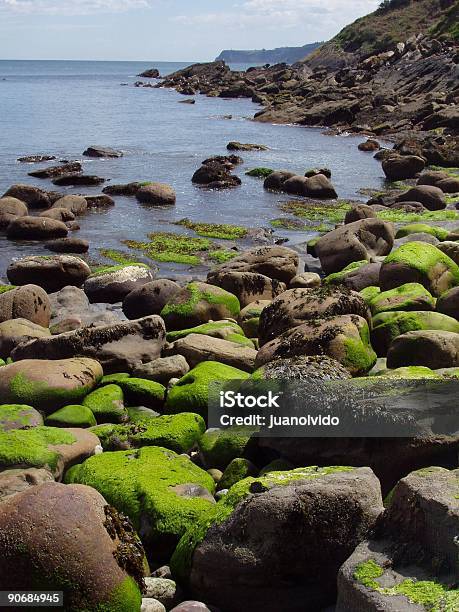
x,y
60,108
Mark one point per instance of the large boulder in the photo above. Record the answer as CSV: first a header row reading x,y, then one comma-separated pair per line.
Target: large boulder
x,y
68,245
149,299
36,228
33,197
199,303
276,262
365,239
276,179
10,209
356,276
304,368
296,306
156,194
16,331
119,348
448,303
75,203
430,197
419,262
399,168
289,564
344,338
68,538
215,175
59,214
434,349
19,416
162,493
28,302
46,384
53,272
411,296
318,186
113,284
72,180
359,212
247,286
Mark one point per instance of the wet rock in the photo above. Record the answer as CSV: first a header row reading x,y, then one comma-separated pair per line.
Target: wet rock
x,y
33,197
59,214
303,367
239,146
249,317
68,245
36,228
54,171
97,151
430,197
76,204
449,185
72,180
369,145
151,605
28,302
17,416
10,209
162,370
119,348
305,280
52,272
17,480
276,179
317,186
275,262
152,73
149,298
399,168
16,331
35,159
164,590
431,348
215,175
358,212
113,284
247,286
99,201
128,189
156,194
448,303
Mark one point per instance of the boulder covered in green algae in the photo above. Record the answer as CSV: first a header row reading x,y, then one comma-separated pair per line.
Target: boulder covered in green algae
x,y
179,432
411,296
66,538
237,470
72,416
217,329
142,392
218,447
18,416
47,385
45,447
107,404
191,393
389,325
199,303
249,317
162,493
296,527
422,228
419,262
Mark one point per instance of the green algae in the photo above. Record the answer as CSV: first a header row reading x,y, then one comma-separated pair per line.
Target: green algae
x,y
120,257
126,597
216,329
5,288
369,293
259,172
114,378
417,228
102,270
238,469
71,416
138,391
107,404
39,394
218,447
222,256
339,277
170,247
18,416
407,297
215,230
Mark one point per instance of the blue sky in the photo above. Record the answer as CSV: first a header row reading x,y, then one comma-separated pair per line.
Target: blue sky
x,y
165,30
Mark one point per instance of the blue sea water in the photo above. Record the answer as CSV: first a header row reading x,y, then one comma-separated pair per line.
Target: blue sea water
x,y
61,107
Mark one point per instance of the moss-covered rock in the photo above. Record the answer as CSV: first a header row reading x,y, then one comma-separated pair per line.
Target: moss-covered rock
x,y
111,379
410,373
369,293
417,228
389,325
72,416
419,262
277,465
199,303
191,393
411,296
162,493
338,277
260,172
237,470
249,317
141,392
216,329
18,416
107,404
218,447
178,432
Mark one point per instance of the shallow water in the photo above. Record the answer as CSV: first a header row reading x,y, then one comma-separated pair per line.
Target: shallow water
x,y
60,108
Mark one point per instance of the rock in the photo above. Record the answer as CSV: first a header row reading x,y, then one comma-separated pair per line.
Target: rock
x,y
163,590
341,507
239,146
17,480
18,416
192,606
35,159
113,284
225,329
53,272
53,171
149,298
306,280
51,522
344,338
422,228
411,296
229,161
191,393
431,177
68,245
218,447
33,197
140,392
46,384
199,303
296,306
28,302
36,228
59,214
156,194
356,276
107,404
99,201
72,180
318,186
249,317
409,207
238,469
276,262
448,303
152,73
449,185
16,331
430,197
451,249
307,368
315,171
119,348
128,189
97,151
197,348
389,325
76,204
10,209
419,262
359,212
215,175
151,605
152,486
246,286
276,179
356,241
400,168
72,416
369,145
431,348
163,369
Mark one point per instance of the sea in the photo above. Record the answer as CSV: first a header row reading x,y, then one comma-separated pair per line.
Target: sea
x,y
62,107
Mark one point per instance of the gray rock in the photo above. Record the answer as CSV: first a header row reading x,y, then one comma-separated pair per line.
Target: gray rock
x,y
164,369
53,272
164,590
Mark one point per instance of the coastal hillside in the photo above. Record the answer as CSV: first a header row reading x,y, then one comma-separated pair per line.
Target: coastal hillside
x,y
287,55
393,21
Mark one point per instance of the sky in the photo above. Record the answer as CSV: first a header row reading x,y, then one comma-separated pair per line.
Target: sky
x,y
166,30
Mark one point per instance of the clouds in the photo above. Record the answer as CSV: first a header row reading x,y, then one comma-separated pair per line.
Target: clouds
x,y
70,7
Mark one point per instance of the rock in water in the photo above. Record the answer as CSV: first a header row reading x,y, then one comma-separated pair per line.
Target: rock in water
x,y
69,538
34,197
36,228
96,151
53,272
